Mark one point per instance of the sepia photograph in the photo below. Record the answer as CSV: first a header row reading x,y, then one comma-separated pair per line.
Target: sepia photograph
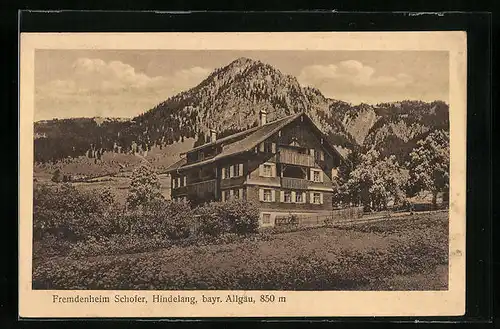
x,y
240,170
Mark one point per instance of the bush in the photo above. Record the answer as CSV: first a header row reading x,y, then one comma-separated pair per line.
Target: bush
x,y
233,216
209,221
242,216
164,218
50,246
63,211
117,245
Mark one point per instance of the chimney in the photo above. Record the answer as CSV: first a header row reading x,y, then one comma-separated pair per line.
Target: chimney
x,y
213,135
262,117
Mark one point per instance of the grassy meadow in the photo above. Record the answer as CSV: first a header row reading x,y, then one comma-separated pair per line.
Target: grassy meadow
x,y
407,253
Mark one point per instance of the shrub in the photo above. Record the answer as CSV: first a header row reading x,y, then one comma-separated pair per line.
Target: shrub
x,y
68,213
144,187
241,215
166,218
209,221
50,246
117,245
233,216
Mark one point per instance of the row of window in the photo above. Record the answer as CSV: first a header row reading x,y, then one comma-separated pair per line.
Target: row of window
x,y
180,199
265,170
269,170
235,170
179,181
286,196
232,194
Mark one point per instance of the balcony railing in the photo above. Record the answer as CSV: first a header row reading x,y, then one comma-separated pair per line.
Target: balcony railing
x,y
201,188
295,158
294,183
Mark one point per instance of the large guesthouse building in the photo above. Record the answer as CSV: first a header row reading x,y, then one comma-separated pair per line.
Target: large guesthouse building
x,y
285,166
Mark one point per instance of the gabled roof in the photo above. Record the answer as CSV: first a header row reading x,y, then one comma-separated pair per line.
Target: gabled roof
x,y
245,141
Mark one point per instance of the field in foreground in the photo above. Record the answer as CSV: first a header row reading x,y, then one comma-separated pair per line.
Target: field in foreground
x,y
408,253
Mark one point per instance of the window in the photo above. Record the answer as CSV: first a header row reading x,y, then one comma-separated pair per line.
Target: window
x,y
298,197
316,198
269,147
316,176
319,155
267,170
232,171
266,218
226,195
236,194
267,195
288,196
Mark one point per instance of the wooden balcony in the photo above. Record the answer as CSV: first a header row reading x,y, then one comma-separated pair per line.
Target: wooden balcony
x,y
202,188
295,158
294,183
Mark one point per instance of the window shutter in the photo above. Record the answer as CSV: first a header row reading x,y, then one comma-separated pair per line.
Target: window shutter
x,y
231,171
261,170
322,155
321,198
311,152
273,170
231,193
261,147
261,194
273,195
178,181
293,196
185,180
321,176
241,169
303,197
311,197
335,172
223,195
311,174
223,173
241,193
173,182
273,147
282,196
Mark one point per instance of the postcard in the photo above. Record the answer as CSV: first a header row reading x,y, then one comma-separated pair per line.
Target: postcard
x,y
189,175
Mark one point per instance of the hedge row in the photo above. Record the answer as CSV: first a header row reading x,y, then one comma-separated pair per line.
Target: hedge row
x,y
70,221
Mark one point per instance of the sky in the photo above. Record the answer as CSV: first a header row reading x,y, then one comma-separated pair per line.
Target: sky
x,y
125,83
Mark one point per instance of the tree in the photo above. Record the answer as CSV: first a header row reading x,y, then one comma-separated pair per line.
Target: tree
x,y
144,187
429,164
375,181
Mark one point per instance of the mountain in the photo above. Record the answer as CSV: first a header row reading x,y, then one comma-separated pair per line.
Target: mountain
x,y
400,124
229,100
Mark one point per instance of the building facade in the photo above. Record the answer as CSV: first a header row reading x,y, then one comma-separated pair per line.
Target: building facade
x,y
285,166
